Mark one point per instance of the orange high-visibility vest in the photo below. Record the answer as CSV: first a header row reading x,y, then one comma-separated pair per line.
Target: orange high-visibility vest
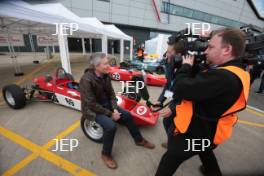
x,y
140,52
184,111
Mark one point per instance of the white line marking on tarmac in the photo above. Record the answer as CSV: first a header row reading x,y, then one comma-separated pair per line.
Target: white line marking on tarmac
x,y
256,109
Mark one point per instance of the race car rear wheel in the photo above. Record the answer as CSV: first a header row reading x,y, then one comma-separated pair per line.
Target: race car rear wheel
x,y
14,96
92,130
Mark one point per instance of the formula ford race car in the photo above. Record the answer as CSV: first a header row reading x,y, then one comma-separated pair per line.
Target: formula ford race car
x,y
63,90
124,73
154,65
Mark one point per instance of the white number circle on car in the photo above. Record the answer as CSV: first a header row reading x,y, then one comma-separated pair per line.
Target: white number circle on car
x,y
116,76
141,110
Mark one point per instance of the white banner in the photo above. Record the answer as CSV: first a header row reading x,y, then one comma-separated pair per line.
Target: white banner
x,y
43,40
14,39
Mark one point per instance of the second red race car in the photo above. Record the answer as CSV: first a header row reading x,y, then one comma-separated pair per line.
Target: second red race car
x,y
63,90
126,74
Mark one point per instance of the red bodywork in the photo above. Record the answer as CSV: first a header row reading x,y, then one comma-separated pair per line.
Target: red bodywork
x,y
142,115
119,74
70,97
56,85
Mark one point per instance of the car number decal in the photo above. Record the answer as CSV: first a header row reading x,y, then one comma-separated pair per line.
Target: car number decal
x,y
116,76
141,110
69,101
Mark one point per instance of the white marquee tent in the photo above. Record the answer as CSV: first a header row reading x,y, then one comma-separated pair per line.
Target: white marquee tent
x,y
157,45
21,17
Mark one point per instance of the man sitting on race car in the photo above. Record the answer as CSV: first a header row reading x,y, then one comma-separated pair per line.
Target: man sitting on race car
x,y
99,103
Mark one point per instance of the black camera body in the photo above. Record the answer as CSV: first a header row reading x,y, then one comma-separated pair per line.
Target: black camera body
x,y
254,52
194,44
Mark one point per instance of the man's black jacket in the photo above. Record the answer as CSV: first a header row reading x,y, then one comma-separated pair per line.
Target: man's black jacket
x,y
169,73
212,92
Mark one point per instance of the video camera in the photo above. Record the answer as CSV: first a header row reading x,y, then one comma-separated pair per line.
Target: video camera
x,y
254,52
195,44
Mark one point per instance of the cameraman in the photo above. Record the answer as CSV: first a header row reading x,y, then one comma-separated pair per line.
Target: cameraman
x,y
175,50
207,102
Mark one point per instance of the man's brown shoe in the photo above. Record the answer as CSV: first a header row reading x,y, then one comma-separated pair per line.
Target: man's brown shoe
x,y
146,144
164,145
109,161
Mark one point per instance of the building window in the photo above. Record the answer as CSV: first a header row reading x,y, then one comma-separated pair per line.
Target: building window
x,y
258,7
177,10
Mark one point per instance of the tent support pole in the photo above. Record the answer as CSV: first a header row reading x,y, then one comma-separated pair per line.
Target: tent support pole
x,y
122,50
83,46
104,44
64,51
131,50
32,48
18,71
91,45
53,49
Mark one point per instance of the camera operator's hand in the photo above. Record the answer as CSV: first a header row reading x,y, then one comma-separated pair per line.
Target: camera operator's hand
x,y
165,112
156,103
188,59
115,115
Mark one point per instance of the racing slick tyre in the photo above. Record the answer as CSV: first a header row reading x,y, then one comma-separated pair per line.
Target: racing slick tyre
x,y
92,130
14,96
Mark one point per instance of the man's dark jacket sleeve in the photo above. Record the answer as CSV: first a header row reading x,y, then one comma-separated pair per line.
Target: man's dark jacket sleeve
x,y
113,96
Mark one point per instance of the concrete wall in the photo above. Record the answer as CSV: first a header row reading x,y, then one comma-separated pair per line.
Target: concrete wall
x,y
141,13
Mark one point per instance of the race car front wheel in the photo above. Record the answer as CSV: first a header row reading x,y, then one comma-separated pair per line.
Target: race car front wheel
x,y
92,130
14,96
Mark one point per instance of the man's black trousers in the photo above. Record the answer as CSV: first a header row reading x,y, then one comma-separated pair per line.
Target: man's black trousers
x,y
175,155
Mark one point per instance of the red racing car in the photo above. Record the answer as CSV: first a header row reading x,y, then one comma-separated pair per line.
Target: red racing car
x,y
63,90
126,74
